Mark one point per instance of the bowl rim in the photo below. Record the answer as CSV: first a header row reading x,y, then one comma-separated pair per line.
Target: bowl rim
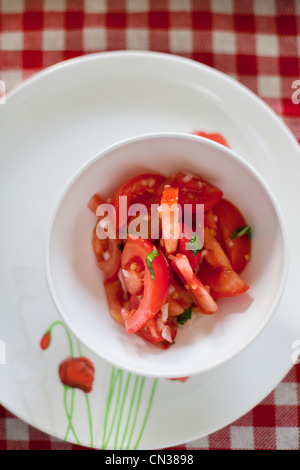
x,y
163,135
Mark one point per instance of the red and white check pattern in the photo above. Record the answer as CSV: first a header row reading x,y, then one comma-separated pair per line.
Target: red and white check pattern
x,y
255,41
272,425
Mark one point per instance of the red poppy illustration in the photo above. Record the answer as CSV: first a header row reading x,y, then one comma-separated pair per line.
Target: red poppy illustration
x,y
74,372
46,339
77,372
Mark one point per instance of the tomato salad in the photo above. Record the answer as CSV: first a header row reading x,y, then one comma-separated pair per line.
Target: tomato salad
x,y
155,285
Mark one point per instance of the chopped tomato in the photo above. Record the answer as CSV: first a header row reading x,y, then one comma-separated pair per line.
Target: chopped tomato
x,y
229,219
169,213
215,254
115,299
174,307
163,333
213,136
189,246
216,271
152,285
134,302
156,281
178,293
139,189
107,253
133,276
159,329
210,221
222,282
94,202
194,190
192,283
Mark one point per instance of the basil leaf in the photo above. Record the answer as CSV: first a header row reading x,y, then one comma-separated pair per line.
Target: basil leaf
x,y
120,247
240,231
149,261
185,316
194,245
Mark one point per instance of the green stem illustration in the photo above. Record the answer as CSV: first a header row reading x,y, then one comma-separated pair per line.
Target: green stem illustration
x,y
115,405
60,323
130,410
67,389
88,406
147,413
122,408
137,407
116,379
70,413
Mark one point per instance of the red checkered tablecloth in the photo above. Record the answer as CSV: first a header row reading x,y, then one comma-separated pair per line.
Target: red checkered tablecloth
x,y
255,41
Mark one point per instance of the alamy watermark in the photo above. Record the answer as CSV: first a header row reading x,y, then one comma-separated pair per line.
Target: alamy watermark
x,y
159,221
296,354
296,93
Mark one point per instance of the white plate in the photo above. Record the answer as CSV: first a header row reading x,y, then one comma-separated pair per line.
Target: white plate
x,y
48,128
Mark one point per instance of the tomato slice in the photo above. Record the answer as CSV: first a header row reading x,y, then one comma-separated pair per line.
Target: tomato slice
x,y
175,308
222,282
229,219
139,189
216,271
215,136
169,215
193,189
133,276
198,291
215,255
210,221
156,281
158,329
107,253
176,292
115,299
186,247
94,202
161,333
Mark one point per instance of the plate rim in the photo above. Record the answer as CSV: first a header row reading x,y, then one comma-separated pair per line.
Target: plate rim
x,y
152,54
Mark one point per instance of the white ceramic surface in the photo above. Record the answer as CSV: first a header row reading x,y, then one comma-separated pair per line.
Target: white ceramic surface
x,y
48,127
76,283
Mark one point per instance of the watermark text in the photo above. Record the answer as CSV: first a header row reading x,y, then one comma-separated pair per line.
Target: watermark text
x,y
296,93
164,221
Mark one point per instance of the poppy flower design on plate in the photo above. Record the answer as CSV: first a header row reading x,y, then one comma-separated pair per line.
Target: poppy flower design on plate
x,y
77,372
128,403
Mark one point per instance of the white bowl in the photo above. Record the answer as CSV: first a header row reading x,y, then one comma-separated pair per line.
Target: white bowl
x,y
75,282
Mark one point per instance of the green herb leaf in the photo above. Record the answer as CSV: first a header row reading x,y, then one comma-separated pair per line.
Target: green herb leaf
x,y
194,245
149,261
240,231
185,316
120,247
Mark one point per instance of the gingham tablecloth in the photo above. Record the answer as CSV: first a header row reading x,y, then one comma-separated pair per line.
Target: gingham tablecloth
x,y
255,41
